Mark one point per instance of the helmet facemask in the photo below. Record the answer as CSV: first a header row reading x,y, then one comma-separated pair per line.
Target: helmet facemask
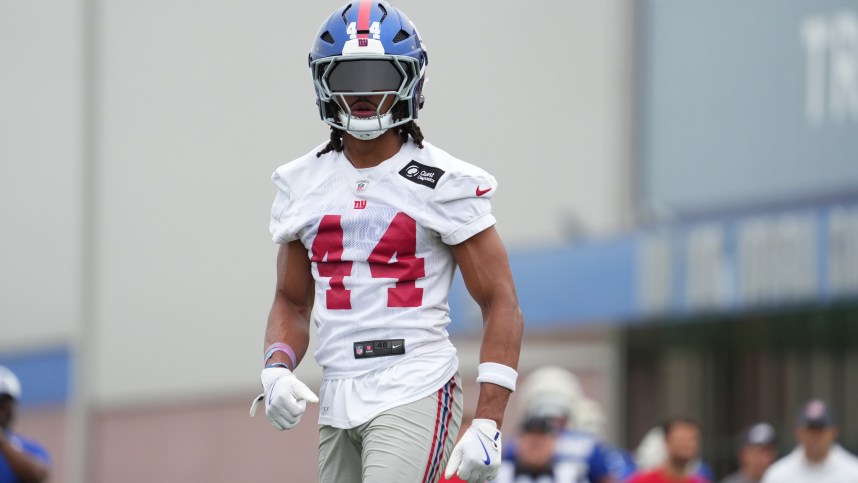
x,y
370,76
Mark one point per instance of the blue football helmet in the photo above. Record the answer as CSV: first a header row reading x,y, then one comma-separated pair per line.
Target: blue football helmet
x,y
368,48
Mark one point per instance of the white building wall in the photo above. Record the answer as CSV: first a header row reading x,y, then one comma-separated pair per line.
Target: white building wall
x,y
199,103
40,105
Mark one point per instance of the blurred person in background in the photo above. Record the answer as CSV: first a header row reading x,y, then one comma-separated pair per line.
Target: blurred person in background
x,y
372,225
756,454
590,418
552,386
21,460
818,458
652,452
680,438
548,448
530,456
546,452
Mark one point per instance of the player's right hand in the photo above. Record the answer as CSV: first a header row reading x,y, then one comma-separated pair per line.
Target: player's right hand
x,y
285,397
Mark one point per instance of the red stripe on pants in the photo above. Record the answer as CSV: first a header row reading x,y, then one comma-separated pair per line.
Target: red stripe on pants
x,y
435,435
447,427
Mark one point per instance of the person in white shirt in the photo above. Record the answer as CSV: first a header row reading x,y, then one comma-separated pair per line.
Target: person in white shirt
x,y
818,458
371,226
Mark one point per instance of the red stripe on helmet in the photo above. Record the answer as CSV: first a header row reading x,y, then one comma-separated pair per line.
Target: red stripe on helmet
x,y
363,19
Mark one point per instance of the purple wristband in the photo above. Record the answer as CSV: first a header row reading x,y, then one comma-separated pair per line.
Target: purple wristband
x,y
280,347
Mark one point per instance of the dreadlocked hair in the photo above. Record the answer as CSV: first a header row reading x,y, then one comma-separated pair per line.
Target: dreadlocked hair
x,y
335,144
409,129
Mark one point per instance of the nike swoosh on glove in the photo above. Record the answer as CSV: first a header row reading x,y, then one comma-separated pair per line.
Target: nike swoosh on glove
x,y
285,397
477,456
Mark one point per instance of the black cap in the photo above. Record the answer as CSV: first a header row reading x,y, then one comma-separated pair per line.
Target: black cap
x,y
760,434
816,414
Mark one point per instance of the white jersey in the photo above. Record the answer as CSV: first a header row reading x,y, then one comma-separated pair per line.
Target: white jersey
x,y
378,242
839,466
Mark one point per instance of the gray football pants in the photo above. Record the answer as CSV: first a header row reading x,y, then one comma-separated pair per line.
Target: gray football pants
x,y
406,444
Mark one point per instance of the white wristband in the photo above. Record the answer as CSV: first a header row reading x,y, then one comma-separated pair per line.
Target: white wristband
x,y
499,374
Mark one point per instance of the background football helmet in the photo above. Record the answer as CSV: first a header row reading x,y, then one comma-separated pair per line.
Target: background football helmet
x,y
368,48
9,383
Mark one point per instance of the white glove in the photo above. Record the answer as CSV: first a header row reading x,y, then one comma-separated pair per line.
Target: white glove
x,y
285,397
477,456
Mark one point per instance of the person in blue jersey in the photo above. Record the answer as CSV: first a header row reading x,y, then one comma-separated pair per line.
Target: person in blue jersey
x,y
550,448
547,452
21,460
621,465
590,418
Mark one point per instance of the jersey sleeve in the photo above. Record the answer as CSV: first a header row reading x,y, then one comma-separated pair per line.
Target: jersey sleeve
x,y
282,231
598,464
620,463
463,206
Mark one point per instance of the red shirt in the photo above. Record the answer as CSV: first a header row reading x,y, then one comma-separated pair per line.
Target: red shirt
x,y
659,476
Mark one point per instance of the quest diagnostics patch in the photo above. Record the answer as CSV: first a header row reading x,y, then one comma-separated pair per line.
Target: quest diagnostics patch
x,y
421,174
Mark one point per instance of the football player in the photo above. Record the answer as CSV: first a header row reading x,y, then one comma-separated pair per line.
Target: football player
x,y
553,446
371,226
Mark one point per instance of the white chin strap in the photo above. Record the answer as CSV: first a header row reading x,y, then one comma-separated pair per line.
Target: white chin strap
x,y
366,128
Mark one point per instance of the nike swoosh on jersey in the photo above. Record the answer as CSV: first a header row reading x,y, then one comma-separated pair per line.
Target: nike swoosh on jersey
x,y
482,192
488,460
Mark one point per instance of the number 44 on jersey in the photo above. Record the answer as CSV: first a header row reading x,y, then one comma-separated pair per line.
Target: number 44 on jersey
x,y
399,240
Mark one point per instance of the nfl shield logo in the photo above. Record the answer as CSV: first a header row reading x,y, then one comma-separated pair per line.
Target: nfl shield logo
x,y
359,349
361,185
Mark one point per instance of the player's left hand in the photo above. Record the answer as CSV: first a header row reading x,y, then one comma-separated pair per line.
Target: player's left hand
x,y
477,456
